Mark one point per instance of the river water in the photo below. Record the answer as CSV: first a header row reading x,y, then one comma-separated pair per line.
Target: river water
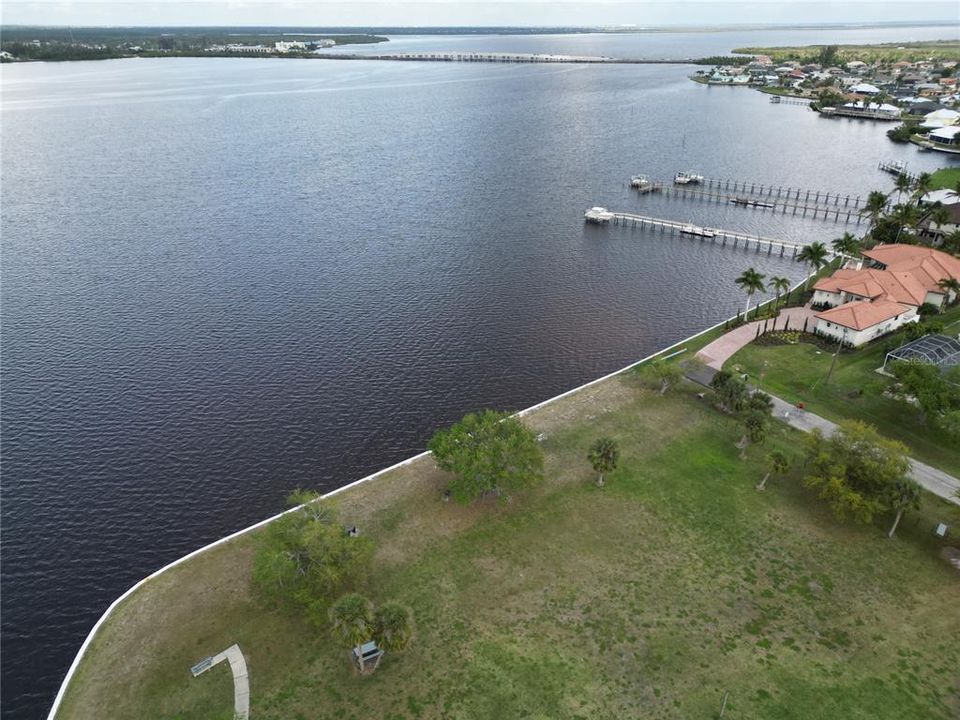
x,y
226,278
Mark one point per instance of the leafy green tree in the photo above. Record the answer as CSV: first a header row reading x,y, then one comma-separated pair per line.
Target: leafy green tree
x,y
750,281
755,419
731,392
780,285
304,557
351,622
662,374
488,452
904,496
777,464
392,627
815,256
604,455
846,245
934,393
855,469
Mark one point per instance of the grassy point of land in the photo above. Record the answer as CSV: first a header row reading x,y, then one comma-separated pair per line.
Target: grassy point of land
x,y
648,598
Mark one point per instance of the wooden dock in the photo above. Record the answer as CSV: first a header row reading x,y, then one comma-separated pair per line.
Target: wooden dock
x,y
896,168
780,100
835,213
772,246
814,197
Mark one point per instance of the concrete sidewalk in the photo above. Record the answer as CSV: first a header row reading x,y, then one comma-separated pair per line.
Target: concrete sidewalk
x,y
936,481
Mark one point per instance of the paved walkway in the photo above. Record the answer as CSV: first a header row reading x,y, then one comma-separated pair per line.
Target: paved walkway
x,y
723,348
936,481
241,683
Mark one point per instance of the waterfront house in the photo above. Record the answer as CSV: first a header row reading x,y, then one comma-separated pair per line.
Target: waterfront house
x,y
945,135
940,118
863,303
857,323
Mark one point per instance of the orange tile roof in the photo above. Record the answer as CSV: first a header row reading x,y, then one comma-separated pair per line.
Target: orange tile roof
x,y
832,282
859,315
929,266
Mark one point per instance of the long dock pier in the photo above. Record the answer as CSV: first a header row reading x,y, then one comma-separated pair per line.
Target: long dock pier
x,y
836,213
818,197
784,248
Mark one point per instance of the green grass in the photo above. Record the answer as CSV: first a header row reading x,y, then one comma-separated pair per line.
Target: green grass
x,y
947,178
648,598
797,373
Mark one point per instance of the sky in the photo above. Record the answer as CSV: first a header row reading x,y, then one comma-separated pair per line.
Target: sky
x,y
591,13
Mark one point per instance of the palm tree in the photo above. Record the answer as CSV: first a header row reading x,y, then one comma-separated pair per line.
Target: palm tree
x,y
779,285
750,281
902,184
393,628
604,455
874,207
921,186
950,285
846,245
350,622
814,255
938,215
906,494
906,216
777,464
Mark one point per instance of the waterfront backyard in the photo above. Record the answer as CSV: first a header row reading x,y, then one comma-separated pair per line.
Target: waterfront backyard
x,y
650,597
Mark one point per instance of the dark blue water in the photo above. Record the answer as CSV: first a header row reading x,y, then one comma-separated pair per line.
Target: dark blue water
x,y
223,279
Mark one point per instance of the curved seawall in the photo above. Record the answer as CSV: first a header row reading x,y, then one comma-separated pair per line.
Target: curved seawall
x,y
116,603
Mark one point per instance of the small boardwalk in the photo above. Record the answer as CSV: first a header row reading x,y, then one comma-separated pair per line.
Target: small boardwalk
x,y
241,682
834,213
772,246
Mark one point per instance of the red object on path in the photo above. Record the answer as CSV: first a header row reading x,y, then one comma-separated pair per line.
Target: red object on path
x,y
800,406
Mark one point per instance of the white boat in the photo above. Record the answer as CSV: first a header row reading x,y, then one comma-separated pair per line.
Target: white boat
x,y
643,184
687,178
598,215
697,231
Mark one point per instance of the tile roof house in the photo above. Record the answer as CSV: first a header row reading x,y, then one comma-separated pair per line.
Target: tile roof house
x,y
865,303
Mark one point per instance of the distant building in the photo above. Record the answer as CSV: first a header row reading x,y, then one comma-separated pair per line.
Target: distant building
x,y
283,46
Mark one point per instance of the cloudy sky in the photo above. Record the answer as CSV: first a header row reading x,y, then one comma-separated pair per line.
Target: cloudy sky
x,y
467,12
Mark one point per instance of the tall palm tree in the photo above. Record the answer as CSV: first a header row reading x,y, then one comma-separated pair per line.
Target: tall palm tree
x,y
750,281
938,215
874,207
902,184
846,245
777,464
950,285
906,216
814,255
921,186
779,285
906,494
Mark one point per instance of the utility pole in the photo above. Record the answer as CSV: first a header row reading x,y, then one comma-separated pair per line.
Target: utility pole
x,y
833,362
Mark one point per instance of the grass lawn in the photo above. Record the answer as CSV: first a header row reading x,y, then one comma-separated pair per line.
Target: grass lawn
x,y
947,178
797,373
648,598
